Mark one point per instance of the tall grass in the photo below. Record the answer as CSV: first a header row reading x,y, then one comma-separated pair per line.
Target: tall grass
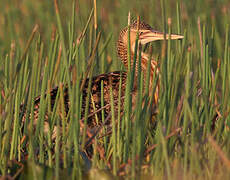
x,y
46,45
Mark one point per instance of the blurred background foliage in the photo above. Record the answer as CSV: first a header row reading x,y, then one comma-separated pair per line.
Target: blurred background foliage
x,y
17,18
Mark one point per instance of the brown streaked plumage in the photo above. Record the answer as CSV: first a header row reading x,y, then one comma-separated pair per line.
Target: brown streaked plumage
x,y
146,35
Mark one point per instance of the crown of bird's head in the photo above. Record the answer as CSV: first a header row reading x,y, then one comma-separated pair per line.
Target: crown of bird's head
x,y
146,34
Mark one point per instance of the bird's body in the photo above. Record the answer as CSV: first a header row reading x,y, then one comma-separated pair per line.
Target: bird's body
x,y
115,80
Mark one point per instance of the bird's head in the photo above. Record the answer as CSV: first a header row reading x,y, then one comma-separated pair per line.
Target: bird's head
x,y
146,34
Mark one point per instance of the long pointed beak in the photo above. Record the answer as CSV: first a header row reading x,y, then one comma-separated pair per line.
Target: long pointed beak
x,y
150,35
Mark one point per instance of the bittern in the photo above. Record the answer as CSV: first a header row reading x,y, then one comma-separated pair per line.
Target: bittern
x,y
112,79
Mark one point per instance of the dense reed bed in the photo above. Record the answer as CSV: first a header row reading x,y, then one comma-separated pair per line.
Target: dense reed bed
x,y
48,44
